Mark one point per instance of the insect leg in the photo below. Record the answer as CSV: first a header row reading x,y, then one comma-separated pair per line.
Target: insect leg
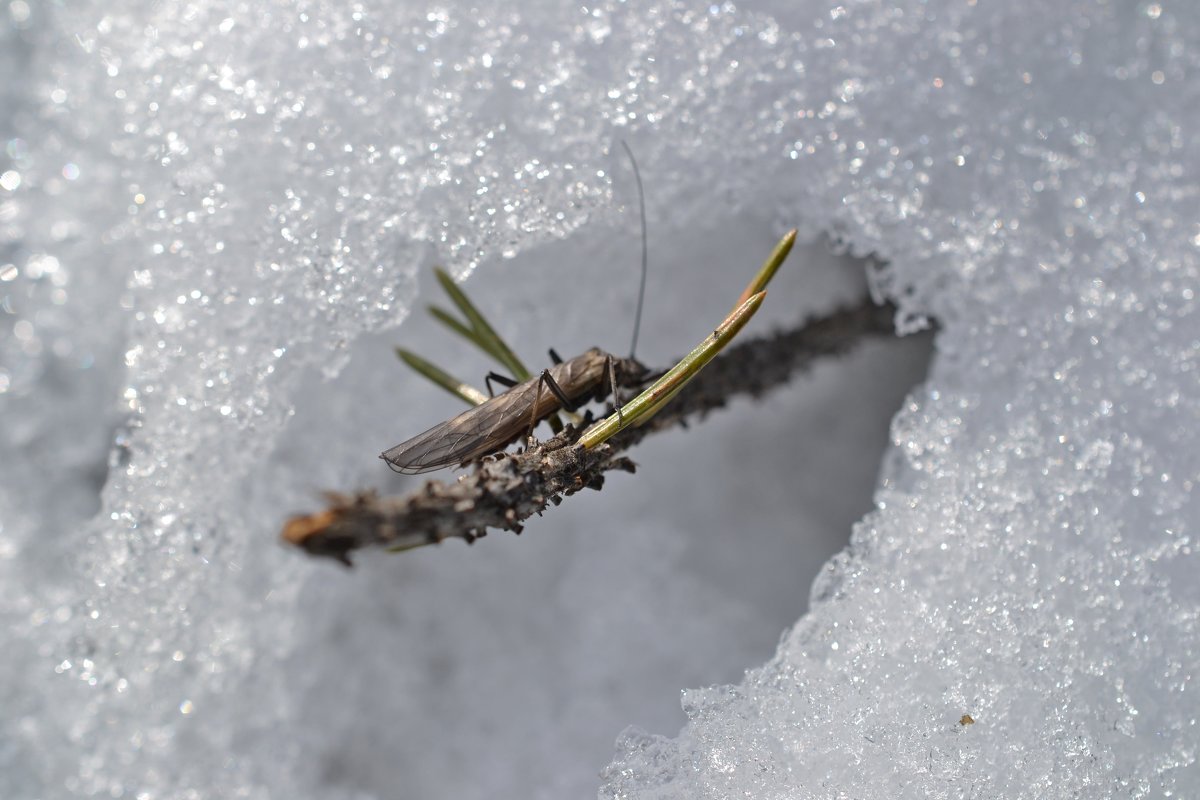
x,y
503,380
569,408
612,385
537,401
547,380
557,391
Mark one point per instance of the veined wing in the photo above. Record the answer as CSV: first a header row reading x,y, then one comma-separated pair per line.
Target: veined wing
x,y
473,433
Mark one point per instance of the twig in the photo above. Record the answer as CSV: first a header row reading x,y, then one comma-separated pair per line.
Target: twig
x,y
504,490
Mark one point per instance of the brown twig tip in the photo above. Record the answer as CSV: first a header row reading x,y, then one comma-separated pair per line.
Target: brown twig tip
x,y
504,490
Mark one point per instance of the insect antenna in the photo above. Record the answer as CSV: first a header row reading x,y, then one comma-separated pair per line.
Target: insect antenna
x,y
637,318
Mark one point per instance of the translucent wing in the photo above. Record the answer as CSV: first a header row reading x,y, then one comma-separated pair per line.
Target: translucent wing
x,y
473,433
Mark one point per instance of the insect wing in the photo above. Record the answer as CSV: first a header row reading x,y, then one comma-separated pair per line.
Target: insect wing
x,y
471,434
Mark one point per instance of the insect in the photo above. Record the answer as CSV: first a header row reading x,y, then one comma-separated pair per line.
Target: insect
x,y
495,422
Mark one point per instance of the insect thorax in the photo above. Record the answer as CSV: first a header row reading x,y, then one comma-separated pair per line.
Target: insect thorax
x,y
630,372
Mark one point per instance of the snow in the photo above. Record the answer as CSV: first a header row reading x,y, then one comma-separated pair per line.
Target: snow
x,y
214,217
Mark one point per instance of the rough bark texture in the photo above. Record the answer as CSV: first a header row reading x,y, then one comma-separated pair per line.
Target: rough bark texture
x,y
505,489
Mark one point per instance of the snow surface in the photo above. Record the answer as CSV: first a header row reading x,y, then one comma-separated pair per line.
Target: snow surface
x,y
213,216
